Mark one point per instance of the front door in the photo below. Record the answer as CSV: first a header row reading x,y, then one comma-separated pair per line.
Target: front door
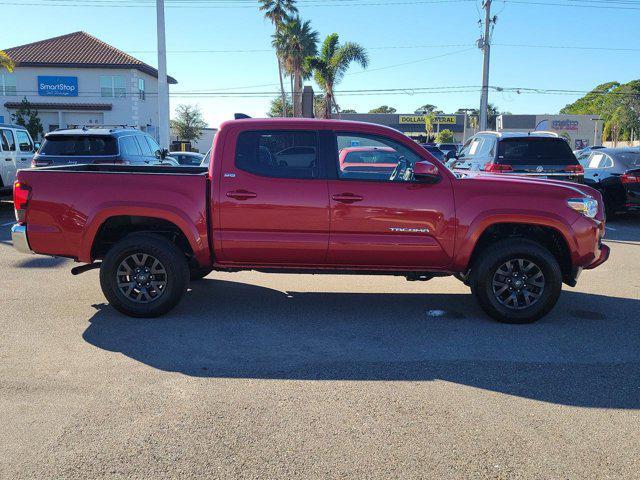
x,y
381,216
25,149
274,207
8,157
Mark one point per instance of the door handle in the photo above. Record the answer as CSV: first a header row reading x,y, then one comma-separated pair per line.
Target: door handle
x,y
241,195
347,198
7,159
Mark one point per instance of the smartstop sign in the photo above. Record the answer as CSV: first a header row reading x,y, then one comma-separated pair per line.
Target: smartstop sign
x,y
58,86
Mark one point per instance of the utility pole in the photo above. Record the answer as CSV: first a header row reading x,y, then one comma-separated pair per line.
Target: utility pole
x,y
485,44
163,87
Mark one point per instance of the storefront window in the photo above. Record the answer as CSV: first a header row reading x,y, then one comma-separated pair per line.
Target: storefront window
x,y
112,86
7,85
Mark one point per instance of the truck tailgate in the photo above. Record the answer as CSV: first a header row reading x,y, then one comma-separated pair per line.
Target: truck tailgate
x,y
67,206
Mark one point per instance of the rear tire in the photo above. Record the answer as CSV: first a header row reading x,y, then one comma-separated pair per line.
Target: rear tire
x,y
144,275
516,281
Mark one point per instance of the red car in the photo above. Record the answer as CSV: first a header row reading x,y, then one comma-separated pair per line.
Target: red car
x,y
277,198
376,160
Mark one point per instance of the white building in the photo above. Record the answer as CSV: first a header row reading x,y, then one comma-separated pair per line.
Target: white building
x,y
77,79
579,130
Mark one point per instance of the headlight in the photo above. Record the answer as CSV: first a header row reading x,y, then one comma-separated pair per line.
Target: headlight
x,y
586,206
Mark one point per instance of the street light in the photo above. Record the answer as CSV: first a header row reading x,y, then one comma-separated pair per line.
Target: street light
x,y
163,87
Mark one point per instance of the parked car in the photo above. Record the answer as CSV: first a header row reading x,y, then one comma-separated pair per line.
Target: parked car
x,y
121,145
376,161
615,172
513,240
532,154
192,159
435,151
16,152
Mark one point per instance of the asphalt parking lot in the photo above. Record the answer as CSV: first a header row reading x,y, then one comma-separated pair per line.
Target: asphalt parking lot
x,y
283,376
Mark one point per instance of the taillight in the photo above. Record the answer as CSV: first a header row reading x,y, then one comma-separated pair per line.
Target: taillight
x,y
21,194
496,167
630,178
575,169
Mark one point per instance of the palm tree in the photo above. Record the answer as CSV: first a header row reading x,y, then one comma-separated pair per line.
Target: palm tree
x,y
331,65
5,62
277,11
294,42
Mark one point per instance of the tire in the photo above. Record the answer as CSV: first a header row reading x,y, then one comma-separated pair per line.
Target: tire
x,y
199,273
163,283
487,281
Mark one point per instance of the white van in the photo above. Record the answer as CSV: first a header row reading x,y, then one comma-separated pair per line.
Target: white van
x,y
16,152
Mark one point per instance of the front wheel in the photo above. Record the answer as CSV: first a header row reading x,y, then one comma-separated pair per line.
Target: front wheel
x,y
516,281
144,275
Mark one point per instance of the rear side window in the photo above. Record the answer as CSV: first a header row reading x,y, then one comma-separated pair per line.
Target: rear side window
x,y
278,154
79,145
628,159
25,143
535,151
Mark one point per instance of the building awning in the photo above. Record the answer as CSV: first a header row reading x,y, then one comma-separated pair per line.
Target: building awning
x,y
63,106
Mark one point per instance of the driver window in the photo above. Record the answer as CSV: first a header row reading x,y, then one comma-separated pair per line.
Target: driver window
x,y
370,157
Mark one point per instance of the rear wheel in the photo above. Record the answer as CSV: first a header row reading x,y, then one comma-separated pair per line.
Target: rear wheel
x,y
144,275
516,281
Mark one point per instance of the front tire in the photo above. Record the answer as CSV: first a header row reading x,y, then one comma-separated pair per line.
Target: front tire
x,y
144,275
516,281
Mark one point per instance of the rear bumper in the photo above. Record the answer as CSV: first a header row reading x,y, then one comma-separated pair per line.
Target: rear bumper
x,y
19,239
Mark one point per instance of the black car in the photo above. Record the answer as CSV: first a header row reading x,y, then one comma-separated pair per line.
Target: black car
x,y
616,173
534,154
188,159
433,150
123,145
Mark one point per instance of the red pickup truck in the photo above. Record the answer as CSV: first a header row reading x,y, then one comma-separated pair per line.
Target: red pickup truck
x,y
275,199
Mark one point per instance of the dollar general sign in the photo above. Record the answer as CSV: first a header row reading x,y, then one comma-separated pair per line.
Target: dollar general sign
x,y
437,119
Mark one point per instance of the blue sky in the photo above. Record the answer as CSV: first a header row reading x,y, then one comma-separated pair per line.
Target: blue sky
x,y
422,30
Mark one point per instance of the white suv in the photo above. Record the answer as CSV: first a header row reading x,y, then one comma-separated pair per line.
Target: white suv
x,y
16,152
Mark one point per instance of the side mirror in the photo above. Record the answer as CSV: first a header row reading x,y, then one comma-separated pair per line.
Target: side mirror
x,y
162,153
425,172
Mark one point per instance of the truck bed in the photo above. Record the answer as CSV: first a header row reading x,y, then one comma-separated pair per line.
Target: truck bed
x,y
68,204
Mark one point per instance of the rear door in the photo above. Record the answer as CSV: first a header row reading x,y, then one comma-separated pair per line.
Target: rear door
x,y
273,199
379,222
8,156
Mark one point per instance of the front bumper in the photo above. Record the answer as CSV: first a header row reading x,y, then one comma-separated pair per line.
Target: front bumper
x,y
19,239
604,256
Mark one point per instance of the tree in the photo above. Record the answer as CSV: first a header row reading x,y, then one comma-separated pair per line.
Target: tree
x,y
188,123
277,11
383,109
330,66
617,104
473,114
294,41
276,108
5,62
428,108
27,116
445,136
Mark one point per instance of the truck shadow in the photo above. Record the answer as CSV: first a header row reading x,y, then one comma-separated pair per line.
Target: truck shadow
x,y
586,353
